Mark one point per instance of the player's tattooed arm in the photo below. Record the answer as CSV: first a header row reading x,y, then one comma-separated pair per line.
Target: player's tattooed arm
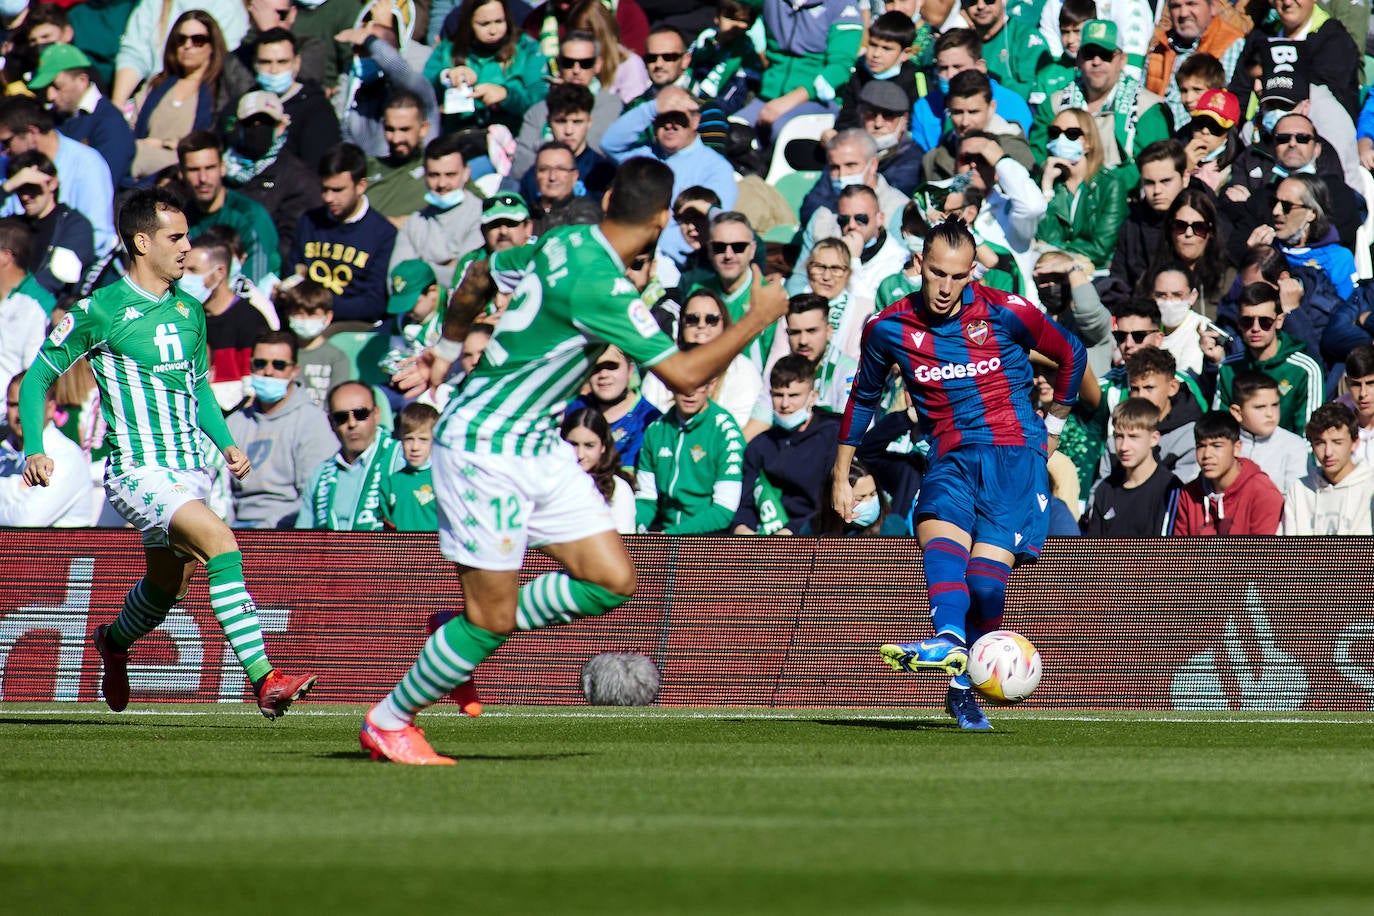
x,y
468,300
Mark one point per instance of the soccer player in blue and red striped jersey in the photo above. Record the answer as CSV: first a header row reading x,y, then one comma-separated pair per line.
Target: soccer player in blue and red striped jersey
x,y
964,351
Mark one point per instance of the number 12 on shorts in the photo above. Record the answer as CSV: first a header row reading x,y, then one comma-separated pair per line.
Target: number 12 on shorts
x,y
505,513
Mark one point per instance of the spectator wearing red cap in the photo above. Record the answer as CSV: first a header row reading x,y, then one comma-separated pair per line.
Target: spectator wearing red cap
x,y
1211,138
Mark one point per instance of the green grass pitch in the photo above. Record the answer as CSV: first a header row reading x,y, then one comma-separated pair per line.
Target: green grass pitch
x,y
208,810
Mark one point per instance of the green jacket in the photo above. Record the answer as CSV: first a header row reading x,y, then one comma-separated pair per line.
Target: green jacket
x,y
689,473
821,71
408,500
1300,377
1015,54
523,76
1090,228
256,230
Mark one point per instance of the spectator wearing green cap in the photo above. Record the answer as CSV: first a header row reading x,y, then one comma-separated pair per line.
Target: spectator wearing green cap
x,y
63,77
1128,116
506,224
415,306
446,227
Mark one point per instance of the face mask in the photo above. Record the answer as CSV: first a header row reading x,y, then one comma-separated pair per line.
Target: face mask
x,y
11,8
275,82
844,181
887,74
866,513
793,420
1172,311
365,70
943,84
1071,151
1269,119
253,141
1215,154
444,201
887,141
269,390
308,328
1309,169
194,286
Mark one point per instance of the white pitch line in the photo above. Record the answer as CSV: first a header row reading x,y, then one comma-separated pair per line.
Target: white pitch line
x,y
662,715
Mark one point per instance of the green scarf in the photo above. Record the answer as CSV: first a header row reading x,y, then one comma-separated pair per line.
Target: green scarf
x,y
366,515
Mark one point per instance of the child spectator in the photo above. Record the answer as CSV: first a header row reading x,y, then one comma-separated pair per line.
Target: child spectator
x,y
687,478
1197,74
1139,497
1055,75
1269,350
308,309
1231,495
725,65
1337,496
587,431
1151,374
1280,454
414,300
887,57
1359,379
408,499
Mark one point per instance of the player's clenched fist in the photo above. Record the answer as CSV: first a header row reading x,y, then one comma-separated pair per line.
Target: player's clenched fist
x,y
38,471
237,461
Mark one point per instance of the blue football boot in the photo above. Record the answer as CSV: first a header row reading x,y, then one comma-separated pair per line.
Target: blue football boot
x,y
962,706
937,654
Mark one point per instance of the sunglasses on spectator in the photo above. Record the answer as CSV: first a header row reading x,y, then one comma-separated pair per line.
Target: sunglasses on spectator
x,y
1263,322
606,366
670,57
574,63
692,321
735,247
1207,125
196,40
1093,52
281,365
1287,205
1073,133
1198,227
1135,337
968,3
844,219
1304,139
340,417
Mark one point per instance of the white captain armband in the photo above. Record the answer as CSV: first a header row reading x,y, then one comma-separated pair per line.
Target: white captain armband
x,y
1054,425
447,350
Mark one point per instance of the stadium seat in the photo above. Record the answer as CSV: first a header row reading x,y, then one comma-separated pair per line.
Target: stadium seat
x,y
1364,236
793,188
802,127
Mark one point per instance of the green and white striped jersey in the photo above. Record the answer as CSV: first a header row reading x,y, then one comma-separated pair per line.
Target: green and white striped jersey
x,y
570,299
149,357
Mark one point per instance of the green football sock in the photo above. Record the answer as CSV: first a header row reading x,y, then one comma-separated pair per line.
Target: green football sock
x,y
236,613
445,662
556,598
145,607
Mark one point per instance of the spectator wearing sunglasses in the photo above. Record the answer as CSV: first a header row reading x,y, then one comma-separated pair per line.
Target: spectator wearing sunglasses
x,y
283,433
622,72
1267,349
1211,138
1300,224
1086,203
1128,116
578,60
344,492
1313,310
1192,236
148,29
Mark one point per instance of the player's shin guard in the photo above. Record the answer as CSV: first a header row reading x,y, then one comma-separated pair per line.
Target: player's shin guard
x,y
987,586
236,613
946,563
447,660
145,607
556,598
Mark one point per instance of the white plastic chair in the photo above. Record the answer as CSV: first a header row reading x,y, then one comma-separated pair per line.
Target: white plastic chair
x,y
802,127
1364,236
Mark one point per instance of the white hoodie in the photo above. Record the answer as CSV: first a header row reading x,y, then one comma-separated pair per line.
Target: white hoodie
x,y
1314,505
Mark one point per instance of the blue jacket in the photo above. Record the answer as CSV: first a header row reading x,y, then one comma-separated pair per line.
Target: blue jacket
x,y
1309,322
928,117
797,463
1344,332
106,132
696,165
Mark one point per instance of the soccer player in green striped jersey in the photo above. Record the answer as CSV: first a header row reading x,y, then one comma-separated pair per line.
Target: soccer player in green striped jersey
x,y
145,339
504,478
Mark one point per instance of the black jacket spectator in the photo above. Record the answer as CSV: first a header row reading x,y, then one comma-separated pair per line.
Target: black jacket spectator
x,y
796,463
286,188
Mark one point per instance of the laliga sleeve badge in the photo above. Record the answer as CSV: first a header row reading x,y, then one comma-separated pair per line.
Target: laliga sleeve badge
x,y
63,329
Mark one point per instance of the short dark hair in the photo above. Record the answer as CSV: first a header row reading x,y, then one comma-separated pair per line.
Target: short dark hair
x,y
32,159
1138,307
807,302
1216,424
1076,12
1249,383
968,83
404,98
19,113
566,98
344,158
1151,361
198,140
140,214
1203,66
16,238
224,235
414,417
276,36
742,10
555,145
1260,294
1359,362
642,189
952,232
696,194
1270,260
895,27
284,337
445,145
665,29
1169,150
959,38
304,295
792,368
859,190
1332,415
217,251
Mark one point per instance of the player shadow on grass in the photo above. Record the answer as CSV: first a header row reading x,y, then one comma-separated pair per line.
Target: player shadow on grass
x,y
898,725
112,720
364,755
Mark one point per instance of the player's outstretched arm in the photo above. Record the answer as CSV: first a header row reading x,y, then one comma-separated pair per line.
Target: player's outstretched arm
x,y
429,369
686,371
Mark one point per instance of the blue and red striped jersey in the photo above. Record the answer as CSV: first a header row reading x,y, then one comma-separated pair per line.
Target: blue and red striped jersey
x,y
969,375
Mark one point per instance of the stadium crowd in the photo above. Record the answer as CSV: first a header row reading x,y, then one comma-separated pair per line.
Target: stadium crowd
x,y
1185,186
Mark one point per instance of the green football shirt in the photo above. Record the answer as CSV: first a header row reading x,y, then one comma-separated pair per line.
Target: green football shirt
x,y
149,357
570,299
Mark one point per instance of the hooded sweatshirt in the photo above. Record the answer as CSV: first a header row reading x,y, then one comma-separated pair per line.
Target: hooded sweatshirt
x,y
1177,451
1300,377
1315,505
284,447
1250,505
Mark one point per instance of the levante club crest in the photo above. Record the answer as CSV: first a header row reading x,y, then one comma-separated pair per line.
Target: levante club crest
x,y
977,332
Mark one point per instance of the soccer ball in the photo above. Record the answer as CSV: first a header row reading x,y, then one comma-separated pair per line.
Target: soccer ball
x,y
1004,667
